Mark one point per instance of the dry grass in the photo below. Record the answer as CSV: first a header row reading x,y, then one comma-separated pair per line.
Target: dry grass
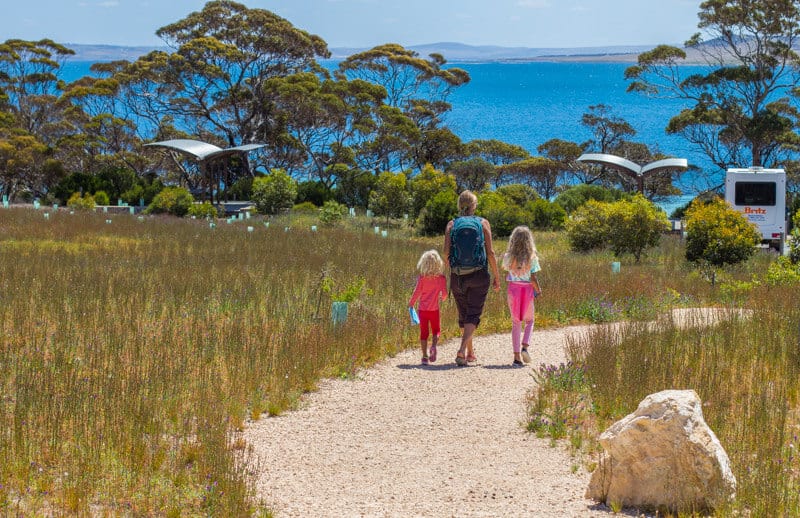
x,y
131,351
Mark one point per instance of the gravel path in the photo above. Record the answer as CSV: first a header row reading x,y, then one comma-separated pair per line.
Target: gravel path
x,y
407,440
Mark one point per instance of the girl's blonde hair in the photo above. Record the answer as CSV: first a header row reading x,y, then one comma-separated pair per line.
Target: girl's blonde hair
x,y
430,263
521,249
467,201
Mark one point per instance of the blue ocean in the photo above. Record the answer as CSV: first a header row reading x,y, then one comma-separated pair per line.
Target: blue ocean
x,y
530,103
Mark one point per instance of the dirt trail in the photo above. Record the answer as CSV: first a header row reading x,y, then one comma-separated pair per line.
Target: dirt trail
x,y
409,440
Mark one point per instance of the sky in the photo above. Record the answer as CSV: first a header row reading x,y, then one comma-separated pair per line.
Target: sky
x,y
366,23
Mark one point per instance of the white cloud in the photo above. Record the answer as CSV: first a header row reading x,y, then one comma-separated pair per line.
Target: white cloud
x,y
533,4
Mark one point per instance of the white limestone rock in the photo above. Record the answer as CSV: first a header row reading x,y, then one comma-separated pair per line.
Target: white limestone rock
x,y
664,455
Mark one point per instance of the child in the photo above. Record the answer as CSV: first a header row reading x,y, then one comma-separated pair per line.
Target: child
x,y
522,263
431,288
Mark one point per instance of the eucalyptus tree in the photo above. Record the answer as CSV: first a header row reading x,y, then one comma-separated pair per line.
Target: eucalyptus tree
x,y
742,107
541,173
212,83
497,153
565,154
326,119
31,118
418,88
30,80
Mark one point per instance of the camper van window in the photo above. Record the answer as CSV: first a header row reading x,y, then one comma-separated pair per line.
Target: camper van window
x,y
755,193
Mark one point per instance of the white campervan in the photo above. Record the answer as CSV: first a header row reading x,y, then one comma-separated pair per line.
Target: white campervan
x,y
760,194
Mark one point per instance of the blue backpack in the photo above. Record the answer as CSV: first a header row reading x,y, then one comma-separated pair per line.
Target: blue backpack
x,y
467,250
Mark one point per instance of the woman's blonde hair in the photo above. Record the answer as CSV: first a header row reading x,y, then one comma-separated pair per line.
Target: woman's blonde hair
x,y
467,202
430,263
521,249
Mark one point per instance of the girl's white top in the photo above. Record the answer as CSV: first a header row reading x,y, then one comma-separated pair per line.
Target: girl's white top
x,y
523,274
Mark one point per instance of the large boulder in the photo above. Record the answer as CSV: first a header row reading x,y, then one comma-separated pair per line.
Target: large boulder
x,y
663,456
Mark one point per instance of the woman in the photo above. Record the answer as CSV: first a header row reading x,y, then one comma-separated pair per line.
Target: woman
x,y
468,248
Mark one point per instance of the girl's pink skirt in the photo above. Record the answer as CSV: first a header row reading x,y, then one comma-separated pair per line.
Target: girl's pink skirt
x,y
520,301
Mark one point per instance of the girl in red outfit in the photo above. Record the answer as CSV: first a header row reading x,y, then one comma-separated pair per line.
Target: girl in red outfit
x,y
431,288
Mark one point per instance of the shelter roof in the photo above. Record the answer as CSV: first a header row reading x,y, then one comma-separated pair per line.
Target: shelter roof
x,y
203,150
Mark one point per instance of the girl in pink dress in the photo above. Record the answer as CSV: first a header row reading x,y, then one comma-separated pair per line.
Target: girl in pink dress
x,y
521,262
431,288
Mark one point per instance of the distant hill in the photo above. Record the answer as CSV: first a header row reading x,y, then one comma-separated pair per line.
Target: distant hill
x,y
452,52
108,52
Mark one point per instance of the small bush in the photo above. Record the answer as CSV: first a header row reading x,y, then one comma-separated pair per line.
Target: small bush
x,y
242,189
574,197
76,201
437,212
274,192
718,234
172,200
502,214
546,215
588,227
203,210
314,192
101,198
793,241
305,208
331,213
389,198
635,226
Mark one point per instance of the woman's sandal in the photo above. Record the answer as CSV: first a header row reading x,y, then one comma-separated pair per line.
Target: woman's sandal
x,y
471,358
460,360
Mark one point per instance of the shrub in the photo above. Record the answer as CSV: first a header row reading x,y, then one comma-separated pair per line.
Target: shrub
x,y
389,198
101,198
425,185
305,208
437,212
718,234
577,195
172,200
81,203
332,212
274,192
634,226
144,191
783,272
241,189
588,228
794,239
203,210
314,192
353,186
502,214
73,183
518,194
545,215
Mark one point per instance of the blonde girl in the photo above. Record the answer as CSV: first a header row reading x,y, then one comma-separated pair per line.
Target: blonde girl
x,y
431,288
522,263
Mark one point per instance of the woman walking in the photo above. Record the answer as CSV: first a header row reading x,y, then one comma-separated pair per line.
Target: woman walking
x,y
468,248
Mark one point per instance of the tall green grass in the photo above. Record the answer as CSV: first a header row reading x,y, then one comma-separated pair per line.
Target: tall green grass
x,y
132,352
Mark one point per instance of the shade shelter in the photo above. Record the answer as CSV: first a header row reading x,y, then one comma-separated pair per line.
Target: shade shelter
x,y
632,169
204,154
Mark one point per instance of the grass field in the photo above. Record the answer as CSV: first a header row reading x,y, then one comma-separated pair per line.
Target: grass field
x,y
132,351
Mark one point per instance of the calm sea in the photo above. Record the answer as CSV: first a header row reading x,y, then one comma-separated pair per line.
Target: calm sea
x,y
530,103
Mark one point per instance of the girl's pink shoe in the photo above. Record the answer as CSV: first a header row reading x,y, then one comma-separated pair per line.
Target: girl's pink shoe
x,y
432,354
